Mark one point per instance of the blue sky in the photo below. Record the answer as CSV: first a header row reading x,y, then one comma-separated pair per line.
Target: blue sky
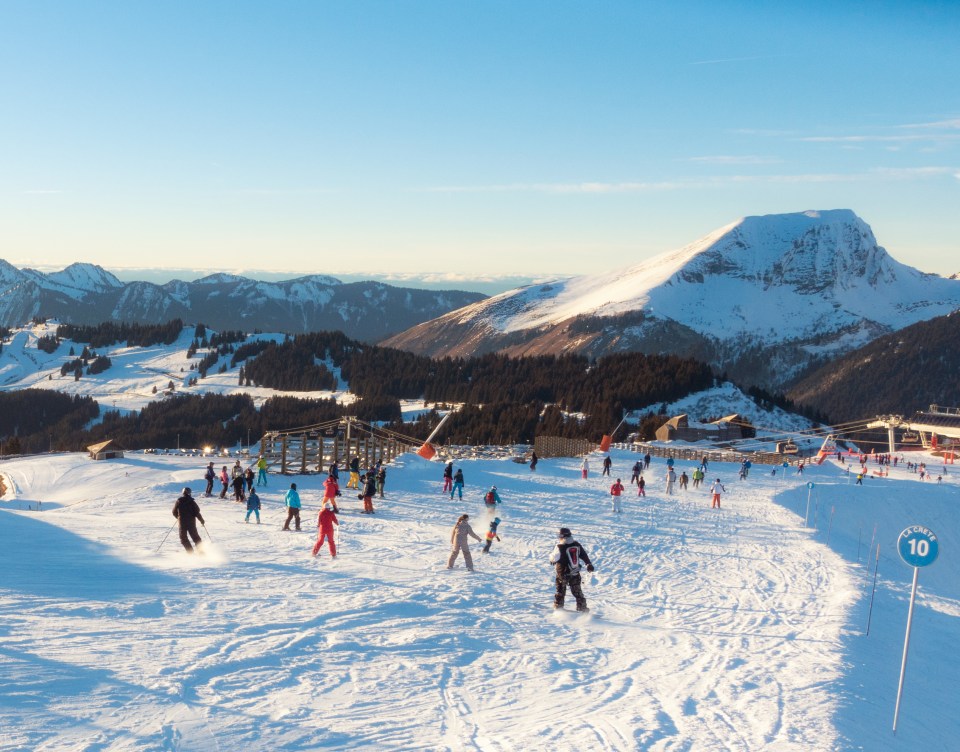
x,y
467,139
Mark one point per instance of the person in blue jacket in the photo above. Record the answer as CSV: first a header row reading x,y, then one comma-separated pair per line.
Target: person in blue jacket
x,y
292,500
253,506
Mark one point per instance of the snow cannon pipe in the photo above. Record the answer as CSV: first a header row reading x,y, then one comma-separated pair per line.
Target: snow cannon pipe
x,y
436,430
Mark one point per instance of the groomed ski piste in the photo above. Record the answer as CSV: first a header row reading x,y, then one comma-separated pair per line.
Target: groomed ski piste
x,y
737,629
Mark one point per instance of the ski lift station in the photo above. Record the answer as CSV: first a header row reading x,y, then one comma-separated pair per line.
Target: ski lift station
x,y
923,429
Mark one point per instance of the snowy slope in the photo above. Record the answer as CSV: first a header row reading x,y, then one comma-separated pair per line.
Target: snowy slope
x,y
137,375
732,630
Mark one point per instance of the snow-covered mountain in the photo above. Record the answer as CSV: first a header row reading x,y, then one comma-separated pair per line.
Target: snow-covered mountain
x,y
761,298
87,294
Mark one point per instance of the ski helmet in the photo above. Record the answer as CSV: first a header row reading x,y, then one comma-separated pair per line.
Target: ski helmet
x,y
187,492
565,532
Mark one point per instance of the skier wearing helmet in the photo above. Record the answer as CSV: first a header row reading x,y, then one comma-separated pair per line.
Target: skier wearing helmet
x,y
569,557
187,512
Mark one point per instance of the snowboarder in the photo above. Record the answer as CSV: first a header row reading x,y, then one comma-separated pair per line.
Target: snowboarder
x,y
491,498
253,505
292,500
715,489
262,471
210,476
607,462
187,512
448,477
457,484
459,542
326,519
568,558
584,468
491,534
615,490
369,489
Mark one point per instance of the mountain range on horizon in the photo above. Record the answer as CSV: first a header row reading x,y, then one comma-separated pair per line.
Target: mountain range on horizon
x,y
88,294
762,299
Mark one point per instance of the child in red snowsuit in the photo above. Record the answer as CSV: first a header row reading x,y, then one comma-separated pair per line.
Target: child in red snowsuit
x,y
331,490
325,522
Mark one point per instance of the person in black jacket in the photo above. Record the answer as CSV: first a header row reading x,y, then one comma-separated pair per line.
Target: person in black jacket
x,y
369,489
568,557
187,512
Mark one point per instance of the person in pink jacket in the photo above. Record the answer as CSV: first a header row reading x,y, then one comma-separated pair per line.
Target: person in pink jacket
x,y
325,522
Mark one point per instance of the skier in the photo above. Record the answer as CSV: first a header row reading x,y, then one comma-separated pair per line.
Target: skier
x,y
187,512
331,491
637,469
671,478
615,490
369,489
448,477
326,519
381,480
457,484
607,462
715,489
253,505
262,471
459,542
646,461
248,476
568,557
335,472
237,482
533,461
292,500
491,534
641,487
684,479
210,476
584,468
491,498
225,480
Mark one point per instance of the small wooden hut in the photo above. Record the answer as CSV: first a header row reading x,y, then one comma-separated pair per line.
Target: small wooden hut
x,y
105,450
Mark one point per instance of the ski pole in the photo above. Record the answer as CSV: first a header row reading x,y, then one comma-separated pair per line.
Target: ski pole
x,y
207,531
165,537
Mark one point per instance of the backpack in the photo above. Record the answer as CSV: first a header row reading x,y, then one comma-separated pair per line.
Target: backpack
x,y
489,497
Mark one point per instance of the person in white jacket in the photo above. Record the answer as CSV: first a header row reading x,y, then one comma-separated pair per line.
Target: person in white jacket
x,y
459,542
584,468
715,489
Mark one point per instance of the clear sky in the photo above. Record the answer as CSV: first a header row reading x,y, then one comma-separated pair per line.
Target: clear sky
x,y
467,138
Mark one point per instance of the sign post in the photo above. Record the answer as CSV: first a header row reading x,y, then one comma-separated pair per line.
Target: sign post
x,y
806,518
918,547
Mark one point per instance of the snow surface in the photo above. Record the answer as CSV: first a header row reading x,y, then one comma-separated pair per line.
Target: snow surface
x,y
737,629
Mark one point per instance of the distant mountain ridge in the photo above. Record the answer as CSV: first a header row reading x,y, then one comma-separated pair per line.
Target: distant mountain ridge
x,y
87,294
763,299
